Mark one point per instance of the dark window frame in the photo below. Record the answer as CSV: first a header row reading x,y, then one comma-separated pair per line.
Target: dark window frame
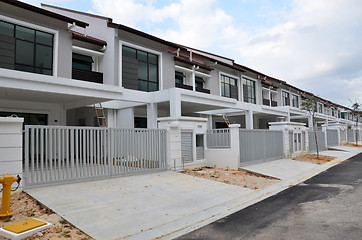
x,y
295,101
227,85
199,82
250,84
35,42
286,98
84,62
148,63
178,76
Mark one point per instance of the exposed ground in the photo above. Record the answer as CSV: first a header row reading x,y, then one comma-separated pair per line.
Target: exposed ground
x,y
312,158
25,207
352,145
235,177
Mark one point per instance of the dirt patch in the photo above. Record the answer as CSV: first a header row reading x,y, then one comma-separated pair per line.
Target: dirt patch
x,y
313,158
235,177
351,145
25,207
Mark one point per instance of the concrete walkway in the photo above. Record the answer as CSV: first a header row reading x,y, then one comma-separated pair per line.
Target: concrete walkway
x,y
166,204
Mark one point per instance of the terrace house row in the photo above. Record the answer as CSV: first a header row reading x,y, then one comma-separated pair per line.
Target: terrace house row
x,y
56,63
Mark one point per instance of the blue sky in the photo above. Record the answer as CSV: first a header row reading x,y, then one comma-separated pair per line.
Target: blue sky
x,y
313,45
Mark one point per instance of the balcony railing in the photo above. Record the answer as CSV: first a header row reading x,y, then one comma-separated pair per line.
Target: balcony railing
x,y
88,76
183,86
204,90
267,102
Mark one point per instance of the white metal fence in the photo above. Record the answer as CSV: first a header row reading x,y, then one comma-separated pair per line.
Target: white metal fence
x,y
321,141
343,135
218,138
66,154
332,138
260,145
351,135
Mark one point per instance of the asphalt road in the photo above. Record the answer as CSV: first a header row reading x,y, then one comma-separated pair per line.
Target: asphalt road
x,y
327,206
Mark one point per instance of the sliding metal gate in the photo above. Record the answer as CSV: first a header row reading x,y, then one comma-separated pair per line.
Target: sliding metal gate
x,y
186,147
56,155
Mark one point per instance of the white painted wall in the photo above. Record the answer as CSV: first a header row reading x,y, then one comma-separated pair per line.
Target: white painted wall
x,y
11,143
227,158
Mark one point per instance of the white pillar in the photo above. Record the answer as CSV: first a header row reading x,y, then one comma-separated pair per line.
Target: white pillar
x,y
288,116
152,115
175,104
11,145
249,121
193,78
310,122
125,118
209,122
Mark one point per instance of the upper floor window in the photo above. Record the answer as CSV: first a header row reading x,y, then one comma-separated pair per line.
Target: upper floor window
x,y
320,107
295,101
140,69
286,98
229,87
179,77
249,90
25,49
332,112
199,82
83,62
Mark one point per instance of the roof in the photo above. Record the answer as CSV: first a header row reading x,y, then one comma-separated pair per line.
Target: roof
x,y
186,60
74,11
45,12
88,39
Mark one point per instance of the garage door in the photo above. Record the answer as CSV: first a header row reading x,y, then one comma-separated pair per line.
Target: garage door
x,y
186,147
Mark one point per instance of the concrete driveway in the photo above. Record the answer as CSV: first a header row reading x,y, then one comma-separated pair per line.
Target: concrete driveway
x,y
138,207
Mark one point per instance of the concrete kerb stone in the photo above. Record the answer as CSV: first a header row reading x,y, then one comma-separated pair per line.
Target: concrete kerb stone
x,y
217,212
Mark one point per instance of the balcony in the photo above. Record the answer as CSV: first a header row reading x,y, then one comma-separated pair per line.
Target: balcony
x,y
203,90
88,76
267,102
183,86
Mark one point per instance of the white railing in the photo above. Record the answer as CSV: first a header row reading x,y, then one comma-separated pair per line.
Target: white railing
x,y
57,154
218,138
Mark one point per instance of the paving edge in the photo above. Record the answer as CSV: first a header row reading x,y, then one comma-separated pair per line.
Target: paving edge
x,y
209,215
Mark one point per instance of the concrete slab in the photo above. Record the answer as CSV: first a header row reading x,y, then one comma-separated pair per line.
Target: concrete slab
x,y
282,168
127,206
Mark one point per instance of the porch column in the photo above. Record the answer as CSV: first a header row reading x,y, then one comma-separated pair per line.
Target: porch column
x,y
175,104
125,118
209,122
310,122
288,116
11,145
193,78
249,120
152,115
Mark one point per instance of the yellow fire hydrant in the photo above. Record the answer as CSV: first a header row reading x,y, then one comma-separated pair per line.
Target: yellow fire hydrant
x,y
7,181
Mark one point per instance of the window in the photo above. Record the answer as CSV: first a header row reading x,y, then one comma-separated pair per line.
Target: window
x,y
199,140
27,49
332,112
146,65
295,101
249,91
82,62
179,77
199,82
140,122
320,108
229,87
286,98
